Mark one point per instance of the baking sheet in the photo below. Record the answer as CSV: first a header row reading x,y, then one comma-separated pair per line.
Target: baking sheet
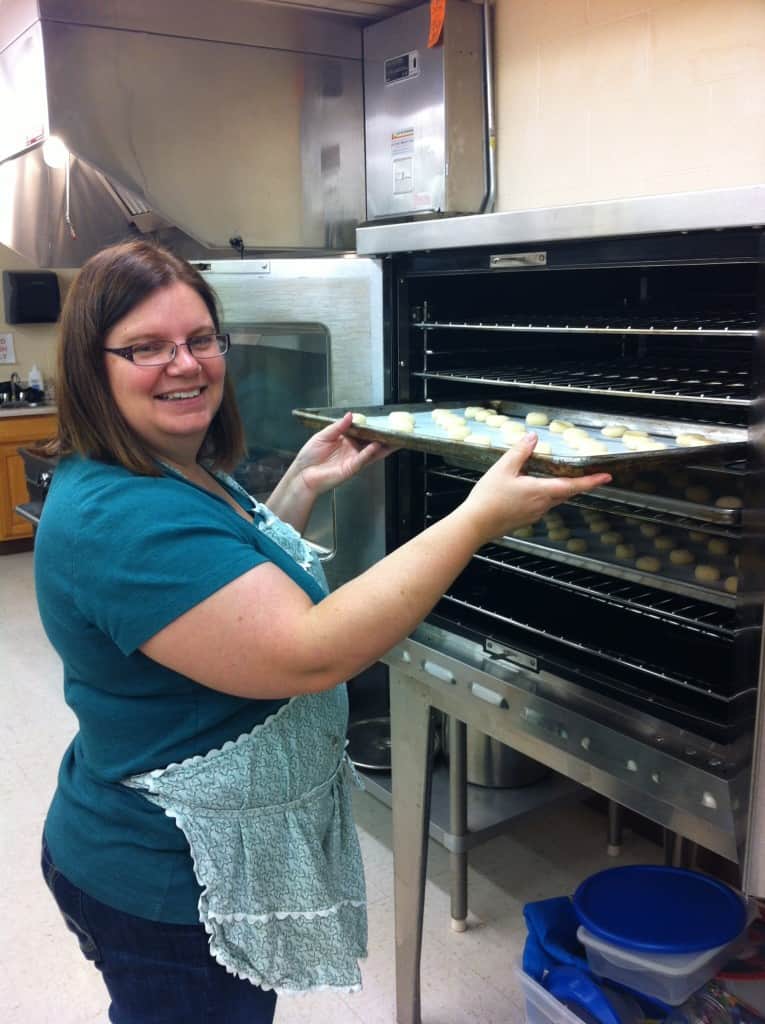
x,y
430,437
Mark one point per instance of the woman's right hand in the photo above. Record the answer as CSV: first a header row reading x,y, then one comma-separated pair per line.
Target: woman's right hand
x,y
504,498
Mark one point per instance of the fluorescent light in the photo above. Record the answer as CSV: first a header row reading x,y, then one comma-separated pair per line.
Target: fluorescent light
x,y
55,154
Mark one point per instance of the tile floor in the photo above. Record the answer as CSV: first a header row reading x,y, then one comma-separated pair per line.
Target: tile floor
x,y
465,978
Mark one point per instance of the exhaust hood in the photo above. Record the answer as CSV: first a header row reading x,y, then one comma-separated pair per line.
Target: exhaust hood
x,y
197,122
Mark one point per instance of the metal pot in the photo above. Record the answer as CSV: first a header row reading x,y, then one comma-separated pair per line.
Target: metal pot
x,y
494,764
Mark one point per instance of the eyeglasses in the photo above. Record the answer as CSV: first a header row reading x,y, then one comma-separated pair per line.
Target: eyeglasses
x,y
160,353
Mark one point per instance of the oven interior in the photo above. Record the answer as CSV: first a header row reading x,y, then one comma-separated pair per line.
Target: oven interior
x,y
661,328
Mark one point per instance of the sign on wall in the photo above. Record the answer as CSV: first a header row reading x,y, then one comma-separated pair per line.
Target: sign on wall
x,y
7,351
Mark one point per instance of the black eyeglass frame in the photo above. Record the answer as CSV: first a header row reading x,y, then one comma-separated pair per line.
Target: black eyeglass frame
x,y
127,351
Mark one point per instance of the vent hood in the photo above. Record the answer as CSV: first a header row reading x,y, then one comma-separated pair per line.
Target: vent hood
x,y
197,122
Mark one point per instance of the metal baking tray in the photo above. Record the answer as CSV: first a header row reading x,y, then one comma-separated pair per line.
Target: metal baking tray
x,y
429,437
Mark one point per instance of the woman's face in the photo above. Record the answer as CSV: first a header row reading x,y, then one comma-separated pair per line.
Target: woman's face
x,y
170,407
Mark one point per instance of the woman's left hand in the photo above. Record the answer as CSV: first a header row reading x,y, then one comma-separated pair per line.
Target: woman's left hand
x,y
330,457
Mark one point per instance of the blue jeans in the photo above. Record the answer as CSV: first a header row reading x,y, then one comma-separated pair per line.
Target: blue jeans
x,y
156,973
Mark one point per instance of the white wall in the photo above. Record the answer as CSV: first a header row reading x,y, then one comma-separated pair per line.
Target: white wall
x,y
33,343
598,99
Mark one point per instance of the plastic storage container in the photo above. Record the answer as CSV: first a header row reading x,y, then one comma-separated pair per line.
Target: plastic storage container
x,y
669,977
543,1008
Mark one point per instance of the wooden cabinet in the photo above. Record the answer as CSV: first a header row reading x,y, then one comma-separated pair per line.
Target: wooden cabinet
x,y
18,432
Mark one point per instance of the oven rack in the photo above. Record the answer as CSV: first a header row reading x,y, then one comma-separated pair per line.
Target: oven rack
x,y
588,649
615,378
676,327
652,507
691,614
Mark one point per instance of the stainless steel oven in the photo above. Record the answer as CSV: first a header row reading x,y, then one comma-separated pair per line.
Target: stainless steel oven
x,y
646,309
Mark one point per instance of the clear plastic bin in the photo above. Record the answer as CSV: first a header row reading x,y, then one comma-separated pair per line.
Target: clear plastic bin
x,y
541,1007
671,978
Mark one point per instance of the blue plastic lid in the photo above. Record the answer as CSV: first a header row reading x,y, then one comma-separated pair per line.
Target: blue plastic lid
x,y
658,909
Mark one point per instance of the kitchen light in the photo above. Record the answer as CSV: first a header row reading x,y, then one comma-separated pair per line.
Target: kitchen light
x,y
55,154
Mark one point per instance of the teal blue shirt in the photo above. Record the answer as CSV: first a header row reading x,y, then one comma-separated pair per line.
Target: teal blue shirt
x,y
117,558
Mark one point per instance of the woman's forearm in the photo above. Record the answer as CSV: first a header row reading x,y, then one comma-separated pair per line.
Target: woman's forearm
x,y
291,500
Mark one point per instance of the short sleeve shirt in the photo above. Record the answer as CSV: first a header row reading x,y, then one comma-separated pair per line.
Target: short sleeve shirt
x,y
117,558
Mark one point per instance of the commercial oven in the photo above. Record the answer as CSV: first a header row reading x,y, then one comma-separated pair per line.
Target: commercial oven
x,y
615,660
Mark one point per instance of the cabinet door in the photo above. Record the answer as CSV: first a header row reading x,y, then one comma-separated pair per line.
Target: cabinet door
x,y
13,492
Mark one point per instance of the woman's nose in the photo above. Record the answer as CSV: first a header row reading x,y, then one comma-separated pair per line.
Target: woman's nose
x,y
183,359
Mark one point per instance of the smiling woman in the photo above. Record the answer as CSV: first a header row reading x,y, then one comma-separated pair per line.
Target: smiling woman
x,y
201,836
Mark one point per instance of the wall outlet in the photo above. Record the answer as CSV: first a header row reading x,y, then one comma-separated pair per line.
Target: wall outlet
x,y
7,351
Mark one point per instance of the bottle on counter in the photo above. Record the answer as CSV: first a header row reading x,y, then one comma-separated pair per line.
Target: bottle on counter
x,y
35,378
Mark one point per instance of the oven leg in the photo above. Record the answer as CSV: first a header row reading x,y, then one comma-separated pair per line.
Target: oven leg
x,y
679,852
458,822
615,815
411,745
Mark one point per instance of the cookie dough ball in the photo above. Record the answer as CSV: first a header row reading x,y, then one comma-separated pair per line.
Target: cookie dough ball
x,y
480,440
663,543
718,546
634,433
559,533
537,419
698,494
513,430
600,525
573,436
523,532
560,426
453,418
611,538
729,501
697,536
635,442
590,447
359,419
650,529
401,421
692,440
577,545
731,584
707,573
471,410
613,430
496,420
681,556
481,414
554,519
542,448
648,563
457,431
625,551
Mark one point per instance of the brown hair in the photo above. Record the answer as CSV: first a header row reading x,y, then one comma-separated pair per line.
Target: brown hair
x,y
108,287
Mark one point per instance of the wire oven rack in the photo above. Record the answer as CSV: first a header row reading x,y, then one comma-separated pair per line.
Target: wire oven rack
x,y
642,600
680,379
610,656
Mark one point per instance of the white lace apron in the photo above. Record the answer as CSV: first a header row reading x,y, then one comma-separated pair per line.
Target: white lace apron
x,y
269,822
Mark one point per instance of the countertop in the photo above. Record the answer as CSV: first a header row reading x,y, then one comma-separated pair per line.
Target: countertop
x,y
36,410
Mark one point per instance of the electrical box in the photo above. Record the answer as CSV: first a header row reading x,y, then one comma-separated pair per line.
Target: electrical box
x,y
425,114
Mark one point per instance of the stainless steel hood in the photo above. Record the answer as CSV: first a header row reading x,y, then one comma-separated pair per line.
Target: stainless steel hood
x,y
197,121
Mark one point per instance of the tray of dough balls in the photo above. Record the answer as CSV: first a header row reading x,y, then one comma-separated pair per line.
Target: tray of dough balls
x,y
692,563
572,442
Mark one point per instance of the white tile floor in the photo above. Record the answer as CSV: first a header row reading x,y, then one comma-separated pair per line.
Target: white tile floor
x,y
465,978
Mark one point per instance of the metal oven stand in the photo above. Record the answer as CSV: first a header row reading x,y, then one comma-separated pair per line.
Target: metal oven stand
x,y
647,766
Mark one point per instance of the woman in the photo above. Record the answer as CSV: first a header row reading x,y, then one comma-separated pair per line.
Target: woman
x,y
200,843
